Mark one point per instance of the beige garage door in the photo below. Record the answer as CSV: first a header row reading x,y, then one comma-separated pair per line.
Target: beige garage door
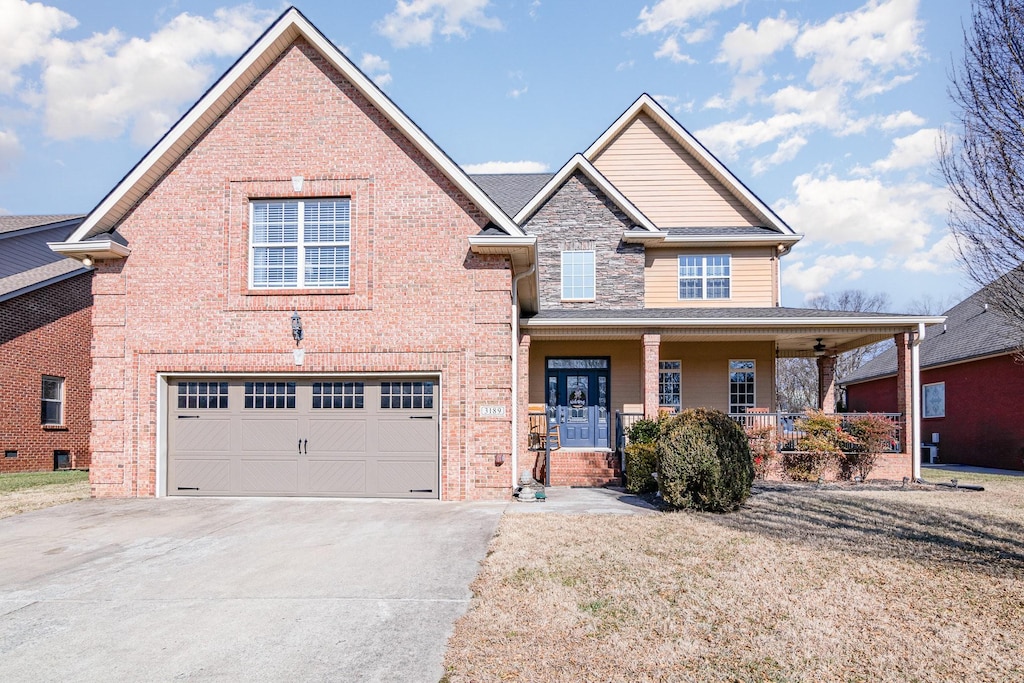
x,y
303,437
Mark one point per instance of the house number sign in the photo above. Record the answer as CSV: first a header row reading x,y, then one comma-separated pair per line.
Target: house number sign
x,y
492,411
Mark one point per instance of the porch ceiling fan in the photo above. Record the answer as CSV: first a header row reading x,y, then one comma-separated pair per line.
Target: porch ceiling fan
x,y
819,348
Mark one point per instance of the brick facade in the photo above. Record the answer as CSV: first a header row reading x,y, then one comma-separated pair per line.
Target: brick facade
x,y
579,216
45,332
420,301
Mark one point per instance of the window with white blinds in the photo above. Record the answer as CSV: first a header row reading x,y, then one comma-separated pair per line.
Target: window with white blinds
x,y
303,243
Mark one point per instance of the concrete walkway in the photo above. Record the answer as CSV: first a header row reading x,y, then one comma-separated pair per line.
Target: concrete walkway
x,y
942,470
568,500
236,590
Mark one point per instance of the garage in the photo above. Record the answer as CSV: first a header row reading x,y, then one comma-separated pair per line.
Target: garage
x,y
308,436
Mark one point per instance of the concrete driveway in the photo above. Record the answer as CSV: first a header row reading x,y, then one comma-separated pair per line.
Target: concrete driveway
x,y
236,590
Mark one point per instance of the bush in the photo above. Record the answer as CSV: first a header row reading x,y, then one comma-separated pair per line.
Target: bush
x,y
820,443
642,456
704,461
643,431
763,448
872,435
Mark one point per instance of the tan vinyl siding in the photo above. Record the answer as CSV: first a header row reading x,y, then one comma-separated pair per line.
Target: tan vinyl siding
x,y
625,365
666,182
753,278
705,371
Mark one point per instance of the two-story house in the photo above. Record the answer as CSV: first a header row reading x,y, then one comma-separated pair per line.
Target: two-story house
x,y
312,298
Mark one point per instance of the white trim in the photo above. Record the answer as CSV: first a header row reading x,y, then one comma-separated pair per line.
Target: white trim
x,y
291,25
887,321
59,400
704,277
915,402
580,163
300,245
646,104
162,387
592,275
924,403
97,249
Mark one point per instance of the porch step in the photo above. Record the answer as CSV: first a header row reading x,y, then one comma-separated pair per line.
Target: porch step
x,y
584,468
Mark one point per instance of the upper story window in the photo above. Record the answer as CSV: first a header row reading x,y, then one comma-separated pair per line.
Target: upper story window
x,y
300,243
52,412
705,277
578,275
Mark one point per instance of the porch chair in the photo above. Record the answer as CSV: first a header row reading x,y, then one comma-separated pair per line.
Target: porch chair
x,y
541,427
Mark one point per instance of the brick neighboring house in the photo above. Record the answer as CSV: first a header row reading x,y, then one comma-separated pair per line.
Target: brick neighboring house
x,y
972,386
316,300
45,333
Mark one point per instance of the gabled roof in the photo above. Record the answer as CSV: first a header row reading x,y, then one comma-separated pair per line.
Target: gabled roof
x,y
511,190
646,104
290,26
972,330
26,262
580,164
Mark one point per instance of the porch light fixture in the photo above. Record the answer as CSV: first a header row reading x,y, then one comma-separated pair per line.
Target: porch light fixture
x,y
819,348
296,327
87,261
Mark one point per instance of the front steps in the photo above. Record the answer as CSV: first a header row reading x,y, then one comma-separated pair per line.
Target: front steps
x,y
580,467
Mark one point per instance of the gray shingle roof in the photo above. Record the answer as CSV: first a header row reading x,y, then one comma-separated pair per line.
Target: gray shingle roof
x,y
25,261
772,313
511,191
971,331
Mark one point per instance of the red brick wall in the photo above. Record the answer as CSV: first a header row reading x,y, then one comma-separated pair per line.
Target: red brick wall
x,y
420,301
45,332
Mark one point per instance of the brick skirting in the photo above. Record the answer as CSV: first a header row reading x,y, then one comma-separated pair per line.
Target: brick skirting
x,y
580,468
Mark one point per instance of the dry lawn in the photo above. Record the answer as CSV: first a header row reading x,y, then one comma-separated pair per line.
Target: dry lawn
x,y
803,584
34,491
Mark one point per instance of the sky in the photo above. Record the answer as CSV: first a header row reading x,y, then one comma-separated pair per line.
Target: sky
x,y
829,111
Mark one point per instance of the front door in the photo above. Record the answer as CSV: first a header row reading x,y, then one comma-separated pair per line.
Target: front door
x,y
577,399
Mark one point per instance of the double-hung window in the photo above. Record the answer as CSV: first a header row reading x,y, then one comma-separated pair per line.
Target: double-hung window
x,y
669,376
578,275
300,243
741,385
705,277
52,409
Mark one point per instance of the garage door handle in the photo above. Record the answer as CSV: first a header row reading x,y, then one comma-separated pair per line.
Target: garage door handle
x,y
421,490
305,446
188,417
421,417
188,488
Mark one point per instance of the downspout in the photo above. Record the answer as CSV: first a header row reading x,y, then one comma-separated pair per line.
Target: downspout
x,y
915,401
515,372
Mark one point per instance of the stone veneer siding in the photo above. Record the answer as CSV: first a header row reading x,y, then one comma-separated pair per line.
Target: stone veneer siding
x,y
420,301
579,216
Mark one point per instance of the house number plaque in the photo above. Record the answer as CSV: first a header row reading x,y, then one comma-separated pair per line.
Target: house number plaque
x,y
492,411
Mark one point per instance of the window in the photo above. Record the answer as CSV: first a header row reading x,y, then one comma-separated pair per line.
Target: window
x,y
195,395
338,395
407,395
578,275
741,385
300,243
270,394
668,384
934,400
705,277
53,401
10,454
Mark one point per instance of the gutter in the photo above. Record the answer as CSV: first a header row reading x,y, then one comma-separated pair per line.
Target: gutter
x,y
515,370
886,321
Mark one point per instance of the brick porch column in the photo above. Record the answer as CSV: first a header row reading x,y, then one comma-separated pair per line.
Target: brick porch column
x,y
523,411
652,347
904,389
827,383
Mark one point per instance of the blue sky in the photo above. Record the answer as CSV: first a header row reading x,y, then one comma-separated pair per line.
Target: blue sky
x,y
829,111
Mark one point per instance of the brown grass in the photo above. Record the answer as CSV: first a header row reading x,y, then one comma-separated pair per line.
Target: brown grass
x,y
26,492
803,584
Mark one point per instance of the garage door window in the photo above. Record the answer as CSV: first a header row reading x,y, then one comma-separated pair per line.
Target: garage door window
x,y
407,395
270,394
338,395
195,395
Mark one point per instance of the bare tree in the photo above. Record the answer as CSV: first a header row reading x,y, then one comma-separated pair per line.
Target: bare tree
x,y
984,162
797,378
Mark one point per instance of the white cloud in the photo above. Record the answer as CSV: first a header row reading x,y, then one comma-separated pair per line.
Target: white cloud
x,y
935,259
506,167
785,151
916,149
699,35
100,86
676,14
376,67
534,6
622,66
414,22
670,50
516,93
10,149
674,104
746,49
812,279
864,45
903,119
896,217
25,32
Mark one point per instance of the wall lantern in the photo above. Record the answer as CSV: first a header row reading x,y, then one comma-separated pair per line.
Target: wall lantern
x,y
819,348
296,327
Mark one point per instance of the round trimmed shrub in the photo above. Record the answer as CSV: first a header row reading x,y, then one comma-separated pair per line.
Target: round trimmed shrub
x,y
704,461
642,457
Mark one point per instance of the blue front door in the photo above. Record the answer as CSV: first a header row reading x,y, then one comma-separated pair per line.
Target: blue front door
x,y
578,400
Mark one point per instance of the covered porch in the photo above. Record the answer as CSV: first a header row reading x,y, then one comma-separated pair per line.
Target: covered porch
x,y
586,375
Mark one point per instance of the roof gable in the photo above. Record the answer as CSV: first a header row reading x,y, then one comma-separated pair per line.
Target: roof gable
x,y
26,262
656,131
290,26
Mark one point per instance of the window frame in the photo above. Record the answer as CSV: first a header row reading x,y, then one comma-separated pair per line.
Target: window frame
x,y
704,277
924,400
733,407
678,372
300,244
592,275
59,401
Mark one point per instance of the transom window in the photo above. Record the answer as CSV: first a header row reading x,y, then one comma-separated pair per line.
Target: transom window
x,y
52,409
270,394
303,243
406,394
578,275
741,385
669,380
338,395
195,395
705,277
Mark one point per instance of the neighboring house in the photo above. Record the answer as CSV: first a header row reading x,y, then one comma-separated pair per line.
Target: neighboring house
x,y
972,386
314,299
45,332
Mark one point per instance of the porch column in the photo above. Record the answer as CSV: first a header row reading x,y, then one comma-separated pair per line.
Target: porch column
x,y
652,348
827,384
904,391
522,429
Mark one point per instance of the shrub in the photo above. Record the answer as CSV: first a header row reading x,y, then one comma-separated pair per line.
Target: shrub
x,y
642,456
872,434
704,461
820,443
763,448
643,431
